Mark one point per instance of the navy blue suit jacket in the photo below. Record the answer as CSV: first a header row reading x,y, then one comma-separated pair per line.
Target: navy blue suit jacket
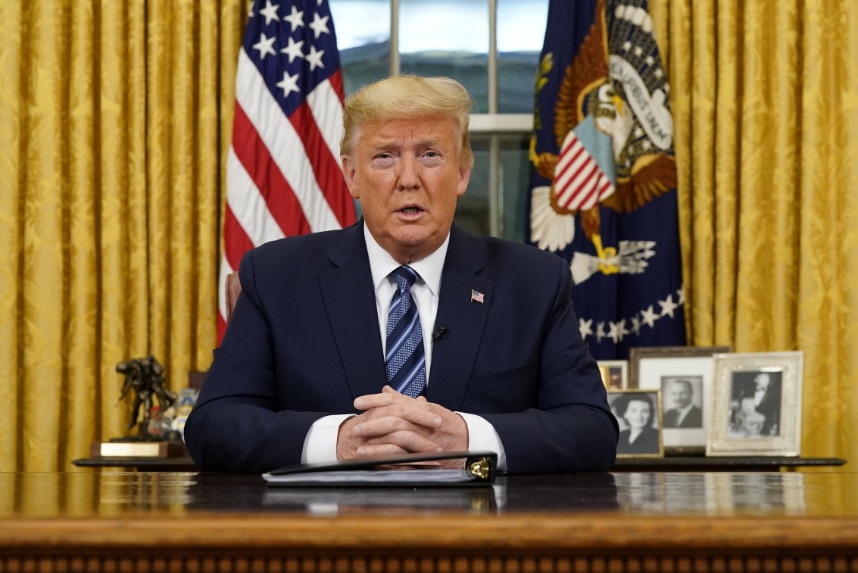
x,y
304,342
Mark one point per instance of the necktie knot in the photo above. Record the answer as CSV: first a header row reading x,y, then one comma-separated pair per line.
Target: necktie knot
x,y
404,277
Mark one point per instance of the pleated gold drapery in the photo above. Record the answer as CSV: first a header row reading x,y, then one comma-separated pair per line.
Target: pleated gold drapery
x,y
114,120
765,104
114,123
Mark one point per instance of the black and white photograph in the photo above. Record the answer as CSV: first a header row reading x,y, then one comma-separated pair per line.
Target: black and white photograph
x,y
756,404
682,401
684,376
639,419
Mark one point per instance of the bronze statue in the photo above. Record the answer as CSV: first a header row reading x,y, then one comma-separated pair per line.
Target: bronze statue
x,y
145,377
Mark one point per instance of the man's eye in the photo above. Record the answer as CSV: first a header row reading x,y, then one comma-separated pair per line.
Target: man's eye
x,y
383,159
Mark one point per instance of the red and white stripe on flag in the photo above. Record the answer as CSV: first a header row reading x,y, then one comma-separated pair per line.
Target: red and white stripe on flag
x,y
579,182
283,174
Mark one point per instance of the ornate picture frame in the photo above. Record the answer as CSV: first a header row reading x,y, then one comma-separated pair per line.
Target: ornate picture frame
x,y
615,374
639,419
756,407
684,375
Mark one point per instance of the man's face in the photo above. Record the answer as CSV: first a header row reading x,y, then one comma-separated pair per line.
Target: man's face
x,y
407,177
681,394
762,382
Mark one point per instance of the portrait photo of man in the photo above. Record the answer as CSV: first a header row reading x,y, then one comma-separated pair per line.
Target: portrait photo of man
x,y
682,401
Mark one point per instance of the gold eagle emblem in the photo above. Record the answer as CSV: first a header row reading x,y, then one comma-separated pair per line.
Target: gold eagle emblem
x,y
605,83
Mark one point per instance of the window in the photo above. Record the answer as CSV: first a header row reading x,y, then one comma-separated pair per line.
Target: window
x,y
492,47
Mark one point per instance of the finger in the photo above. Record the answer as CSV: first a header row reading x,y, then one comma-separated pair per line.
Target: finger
x,y
380,450
375,427
407,441
422,417
387,396
402,414
369,401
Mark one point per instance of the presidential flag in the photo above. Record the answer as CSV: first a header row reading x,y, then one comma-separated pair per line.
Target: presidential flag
x,y
283,171
603,177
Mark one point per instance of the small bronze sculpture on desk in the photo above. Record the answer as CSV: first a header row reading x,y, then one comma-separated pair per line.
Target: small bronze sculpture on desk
x,y
145,376
155,436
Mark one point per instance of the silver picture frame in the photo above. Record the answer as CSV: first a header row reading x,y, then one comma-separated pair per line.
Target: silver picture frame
x,y
756,406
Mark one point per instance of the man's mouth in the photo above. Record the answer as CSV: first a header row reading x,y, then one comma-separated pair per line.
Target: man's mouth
x,y
410,210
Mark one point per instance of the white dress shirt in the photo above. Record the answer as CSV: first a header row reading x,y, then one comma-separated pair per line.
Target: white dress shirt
x,y
320,444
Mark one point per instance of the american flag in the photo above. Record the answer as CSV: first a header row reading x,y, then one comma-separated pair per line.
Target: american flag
x,y
283,170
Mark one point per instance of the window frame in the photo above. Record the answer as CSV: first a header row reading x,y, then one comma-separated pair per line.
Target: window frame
x,y
492,124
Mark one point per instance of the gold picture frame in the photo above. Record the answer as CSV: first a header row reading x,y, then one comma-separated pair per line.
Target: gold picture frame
x,y
756,407
685,377
637,440
615,374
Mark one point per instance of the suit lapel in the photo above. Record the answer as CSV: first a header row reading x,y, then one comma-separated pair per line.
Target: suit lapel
x,y
463,315
350,300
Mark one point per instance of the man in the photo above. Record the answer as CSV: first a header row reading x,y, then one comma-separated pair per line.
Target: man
x,y
684,413
767,401
305,369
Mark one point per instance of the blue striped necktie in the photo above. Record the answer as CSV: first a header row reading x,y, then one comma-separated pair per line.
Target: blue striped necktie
x,y
405,361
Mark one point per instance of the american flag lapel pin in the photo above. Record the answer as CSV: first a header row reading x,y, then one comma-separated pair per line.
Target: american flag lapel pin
x,y
477,296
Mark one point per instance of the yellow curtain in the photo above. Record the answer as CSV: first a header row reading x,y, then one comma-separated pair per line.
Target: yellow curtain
x,y
114,123
765,102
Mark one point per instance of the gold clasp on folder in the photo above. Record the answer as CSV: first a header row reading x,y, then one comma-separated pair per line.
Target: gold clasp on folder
x,y
479,467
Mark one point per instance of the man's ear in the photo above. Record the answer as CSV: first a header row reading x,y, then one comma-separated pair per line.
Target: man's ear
x,y
350,175
464,178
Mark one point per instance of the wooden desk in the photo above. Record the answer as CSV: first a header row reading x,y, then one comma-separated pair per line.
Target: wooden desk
x,y
116,521
675,464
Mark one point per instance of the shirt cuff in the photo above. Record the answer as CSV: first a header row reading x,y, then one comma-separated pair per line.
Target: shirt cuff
x,y
482,437
320,444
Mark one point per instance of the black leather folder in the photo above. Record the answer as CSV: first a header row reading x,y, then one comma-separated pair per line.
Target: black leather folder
x,y
409,470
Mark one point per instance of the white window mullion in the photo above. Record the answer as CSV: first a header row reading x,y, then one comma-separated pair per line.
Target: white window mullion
x,y
394,38
495,222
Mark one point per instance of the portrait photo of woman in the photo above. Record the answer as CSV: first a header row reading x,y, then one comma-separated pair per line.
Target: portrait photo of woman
x,y
638,417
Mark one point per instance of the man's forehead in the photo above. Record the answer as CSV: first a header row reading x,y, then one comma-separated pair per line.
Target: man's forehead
x,y
407,138
421,123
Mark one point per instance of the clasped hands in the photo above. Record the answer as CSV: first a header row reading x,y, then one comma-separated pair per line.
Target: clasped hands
x,y
392,424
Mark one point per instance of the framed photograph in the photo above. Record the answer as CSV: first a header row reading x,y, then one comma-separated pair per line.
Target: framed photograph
x,y
615,373
756,408
684,375
639,418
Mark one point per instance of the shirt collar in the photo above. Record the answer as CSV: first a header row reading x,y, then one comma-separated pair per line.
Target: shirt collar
x,y
381,263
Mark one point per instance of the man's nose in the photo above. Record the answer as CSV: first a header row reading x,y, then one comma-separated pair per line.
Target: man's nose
x,y
409,173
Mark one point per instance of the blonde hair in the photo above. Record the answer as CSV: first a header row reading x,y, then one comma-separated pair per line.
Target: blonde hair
x,y
408,96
